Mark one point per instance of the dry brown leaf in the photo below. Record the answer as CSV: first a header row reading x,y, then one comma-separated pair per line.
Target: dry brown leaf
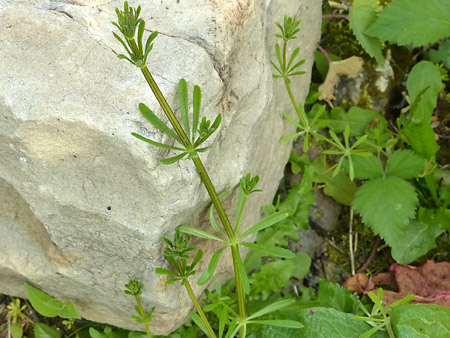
x,y
349,67
429,283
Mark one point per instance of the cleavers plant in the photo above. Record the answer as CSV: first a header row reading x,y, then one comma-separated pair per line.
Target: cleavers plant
x,y
190,139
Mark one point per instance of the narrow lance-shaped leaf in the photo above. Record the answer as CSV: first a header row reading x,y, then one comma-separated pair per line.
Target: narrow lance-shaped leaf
x,y
197,258
171,160
241,270
198,321
162,271
187,229
154,143
213,128
153,119
279,322
293,56
197,103
298,64
269,250
209,272
141,35
267,222
291,119
184,105
271,308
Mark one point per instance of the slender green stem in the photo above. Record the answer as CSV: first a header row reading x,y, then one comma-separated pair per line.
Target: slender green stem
x,y
142,313
239,289
288,88
199,310
196,302
214,198
206,181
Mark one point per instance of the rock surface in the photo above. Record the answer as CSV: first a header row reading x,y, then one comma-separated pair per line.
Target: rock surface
x,y
83,204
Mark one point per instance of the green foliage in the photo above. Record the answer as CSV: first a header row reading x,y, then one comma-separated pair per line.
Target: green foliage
x,y
133,288
48,306
276,275
424,84
356,119
420,321
412,22
305,127
44,331
195,137
414,240
288,31
362,15
329,322
334,296
387,203
379,317
16,330
299,200
176,253
441,55
346,152
127,22
339,186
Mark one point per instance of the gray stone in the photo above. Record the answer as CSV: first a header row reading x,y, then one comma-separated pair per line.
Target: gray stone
x,y
325,212
83,204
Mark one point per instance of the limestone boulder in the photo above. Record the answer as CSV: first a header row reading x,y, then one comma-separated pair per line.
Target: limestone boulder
x,y
83,204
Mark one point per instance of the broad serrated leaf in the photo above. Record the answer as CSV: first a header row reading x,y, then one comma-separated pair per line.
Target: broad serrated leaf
x,y
323,322
422,139
413,22
337,297
421,321
44,331
363,14
414,240
386,204
367,167
404,163
356,118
